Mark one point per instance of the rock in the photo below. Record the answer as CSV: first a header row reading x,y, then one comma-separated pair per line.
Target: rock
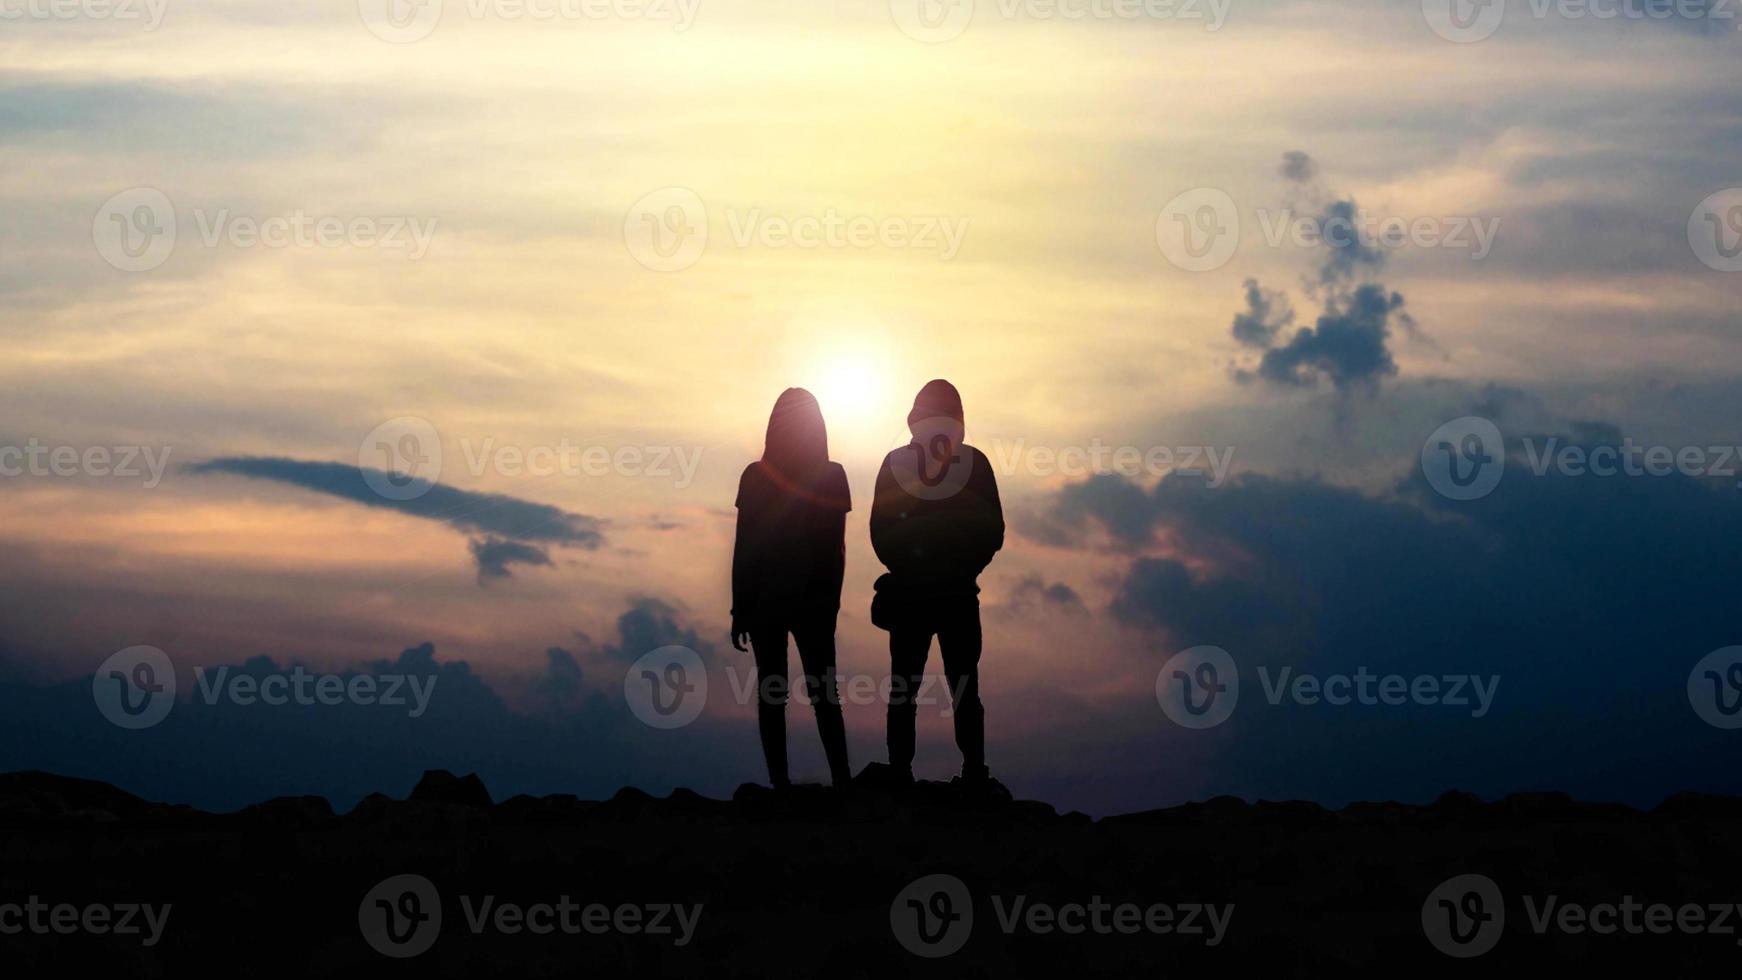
x,y
291,810
441,786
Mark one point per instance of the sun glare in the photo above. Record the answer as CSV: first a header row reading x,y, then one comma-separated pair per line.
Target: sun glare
x,y
852,388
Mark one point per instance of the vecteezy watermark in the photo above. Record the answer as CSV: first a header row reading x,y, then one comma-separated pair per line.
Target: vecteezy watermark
x,y
406,21
304,688
1468,21
667,230
120,462
853,689
1199,230
137,230
667,687
933,917
135,688
1100,458
401,458
1715,230
149,13
1465,458
401,917
934,21
1200,686
1630,459
1715,688
1368,689
570,459
42,918
1465,916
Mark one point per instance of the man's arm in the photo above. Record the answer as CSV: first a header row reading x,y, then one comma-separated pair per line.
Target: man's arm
x,y
989,523
885,512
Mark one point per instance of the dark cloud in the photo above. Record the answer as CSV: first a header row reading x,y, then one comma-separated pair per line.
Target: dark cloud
x,y
494,555
1032,591
1298,167
648,625
514,531
1267,313
568,734
1349,344
1591,598
1347,257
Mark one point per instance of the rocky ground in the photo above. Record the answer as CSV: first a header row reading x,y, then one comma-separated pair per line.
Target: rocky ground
x,y
875,881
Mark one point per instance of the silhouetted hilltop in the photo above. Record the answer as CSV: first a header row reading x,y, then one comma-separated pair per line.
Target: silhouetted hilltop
x,y
813,882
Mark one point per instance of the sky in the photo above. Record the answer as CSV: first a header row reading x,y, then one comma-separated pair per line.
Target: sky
x,y
555,261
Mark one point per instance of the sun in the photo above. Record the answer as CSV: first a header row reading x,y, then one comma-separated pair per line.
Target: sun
x,y
853,388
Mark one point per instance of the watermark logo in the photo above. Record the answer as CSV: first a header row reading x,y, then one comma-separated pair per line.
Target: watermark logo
x,y
402,916
932,463
401,458
150,12
1715,688
400,21
565,458
1464,916
1464,21
1715,230
1368,689
933,917
1098,457
406,21
41,918
1198,687
306,689
1199,229
932,21
667,230
667,687
135,687
1464,459
935,21
134,231
38,459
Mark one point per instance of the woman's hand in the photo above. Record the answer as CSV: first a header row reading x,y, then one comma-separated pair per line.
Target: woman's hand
x,y
740,635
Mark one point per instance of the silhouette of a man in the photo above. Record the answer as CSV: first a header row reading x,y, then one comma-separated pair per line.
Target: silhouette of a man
x,y
936,523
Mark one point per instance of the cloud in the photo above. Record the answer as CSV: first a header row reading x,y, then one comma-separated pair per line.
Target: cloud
x,y
494,555
1589,598
513,531
1032,590
1267,313
1298,167
649,624
570,736
1349,344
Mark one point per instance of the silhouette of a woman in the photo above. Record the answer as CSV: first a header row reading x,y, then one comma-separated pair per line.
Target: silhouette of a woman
x,y
787,566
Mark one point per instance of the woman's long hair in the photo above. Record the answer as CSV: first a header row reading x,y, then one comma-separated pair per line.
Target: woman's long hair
x,y
797,448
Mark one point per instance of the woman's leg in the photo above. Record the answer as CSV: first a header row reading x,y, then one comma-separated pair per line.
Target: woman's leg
x,y
816,652
769,648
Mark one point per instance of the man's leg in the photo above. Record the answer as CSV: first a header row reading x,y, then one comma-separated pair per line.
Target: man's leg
x,y
816,652
959,642
908,649
769,647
